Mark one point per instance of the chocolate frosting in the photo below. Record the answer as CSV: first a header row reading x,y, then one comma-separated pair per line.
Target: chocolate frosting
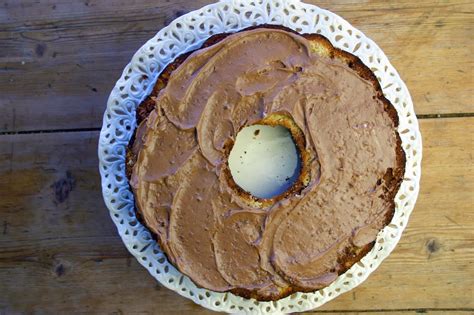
x,y
208,230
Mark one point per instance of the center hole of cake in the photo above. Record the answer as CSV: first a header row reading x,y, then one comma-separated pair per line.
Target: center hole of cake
x,y
264,160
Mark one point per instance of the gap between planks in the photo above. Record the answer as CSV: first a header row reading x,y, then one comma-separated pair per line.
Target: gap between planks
x,y
5,133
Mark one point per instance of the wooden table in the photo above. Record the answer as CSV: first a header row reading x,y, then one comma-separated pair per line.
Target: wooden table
x,y
59,250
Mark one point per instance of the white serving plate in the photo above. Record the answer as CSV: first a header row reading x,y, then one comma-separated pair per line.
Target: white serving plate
x,y
188,32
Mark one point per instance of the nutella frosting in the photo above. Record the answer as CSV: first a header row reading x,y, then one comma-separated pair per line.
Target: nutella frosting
x,y
205,226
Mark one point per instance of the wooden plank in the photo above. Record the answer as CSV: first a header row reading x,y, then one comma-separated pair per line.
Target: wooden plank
x,y
59,250
426,43
60,59
434,262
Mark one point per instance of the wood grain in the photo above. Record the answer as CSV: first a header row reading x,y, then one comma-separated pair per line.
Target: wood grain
x,y
60,252
60,59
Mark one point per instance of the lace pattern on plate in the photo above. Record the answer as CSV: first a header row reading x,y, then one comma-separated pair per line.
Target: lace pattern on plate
x,y
188,32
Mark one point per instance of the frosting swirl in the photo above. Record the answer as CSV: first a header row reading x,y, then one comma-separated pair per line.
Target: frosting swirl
x,y
208,229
